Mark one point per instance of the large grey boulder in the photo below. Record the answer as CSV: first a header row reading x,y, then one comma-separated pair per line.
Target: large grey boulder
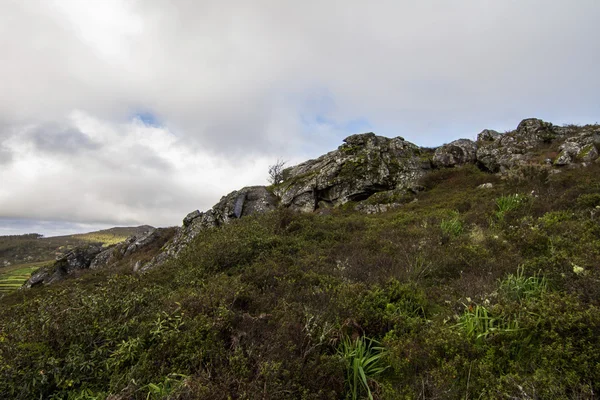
x,y
237,204
458,152
365,164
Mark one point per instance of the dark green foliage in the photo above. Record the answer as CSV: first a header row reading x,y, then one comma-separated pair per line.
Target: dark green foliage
x,y
264,307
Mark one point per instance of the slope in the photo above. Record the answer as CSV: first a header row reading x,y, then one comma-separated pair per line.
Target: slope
x,y
474,286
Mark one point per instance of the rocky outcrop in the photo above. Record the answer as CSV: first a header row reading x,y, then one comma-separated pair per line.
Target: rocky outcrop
x,y
458,152
95,256
365,164
505,152
131,245
377,173
77,259
580,148
237,204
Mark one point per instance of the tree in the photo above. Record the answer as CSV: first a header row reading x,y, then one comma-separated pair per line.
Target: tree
x,y
276,172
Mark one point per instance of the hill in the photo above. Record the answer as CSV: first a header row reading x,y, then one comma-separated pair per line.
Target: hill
x,y
22,254
380,270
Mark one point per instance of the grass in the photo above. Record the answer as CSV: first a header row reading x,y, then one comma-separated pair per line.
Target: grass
x,y
519,287
452,227
507,204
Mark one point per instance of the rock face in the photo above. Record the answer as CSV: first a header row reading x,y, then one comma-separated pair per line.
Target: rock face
x,y
364,165
458,152
378,173
505,152
94,256
237,204
77,259
131,245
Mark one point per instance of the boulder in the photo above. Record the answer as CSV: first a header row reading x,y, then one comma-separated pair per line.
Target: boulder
x,y
77,259
504,152
487,135
458,152
365,164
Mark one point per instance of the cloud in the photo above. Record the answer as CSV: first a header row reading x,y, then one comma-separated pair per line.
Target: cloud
x,y
5,155
56,139
110,100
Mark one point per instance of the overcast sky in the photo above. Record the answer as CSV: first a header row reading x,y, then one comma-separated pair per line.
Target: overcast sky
x,y
129,112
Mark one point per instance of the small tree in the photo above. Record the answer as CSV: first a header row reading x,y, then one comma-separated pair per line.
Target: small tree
x,y
276,172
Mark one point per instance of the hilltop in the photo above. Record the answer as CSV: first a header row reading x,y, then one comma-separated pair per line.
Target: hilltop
x,y
380,269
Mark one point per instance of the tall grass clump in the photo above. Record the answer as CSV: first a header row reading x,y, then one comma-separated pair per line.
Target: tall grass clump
x,y
364,361
478,323
505,204
520,287
453,226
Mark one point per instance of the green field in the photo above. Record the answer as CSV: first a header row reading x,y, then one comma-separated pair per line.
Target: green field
x,y
14,276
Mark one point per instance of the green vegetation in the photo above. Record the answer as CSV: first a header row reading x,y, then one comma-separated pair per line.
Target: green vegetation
x,y
363,362
440,298
452,227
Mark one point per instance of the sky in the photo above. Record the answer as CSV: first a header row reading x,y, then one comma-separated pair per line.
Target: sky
x,y
131,112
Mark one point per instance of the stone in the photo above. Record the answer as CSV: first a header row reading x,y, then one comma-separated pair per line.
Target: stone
x,y
190,217
77,259
487,185
487,135
458,152
365,164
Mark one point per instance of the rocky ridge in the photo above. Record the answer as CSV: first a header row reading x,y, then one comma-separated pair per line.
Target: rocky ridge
x,y
373,172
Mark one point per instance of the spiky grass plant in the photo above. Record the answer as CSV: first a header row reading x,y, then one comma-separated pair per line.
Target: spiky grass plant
x,y
453,226
520,287
364,361
508,203
478,323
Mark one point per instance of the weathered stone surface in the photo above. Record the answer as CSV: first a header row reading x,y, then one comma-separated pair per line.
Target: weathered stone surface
x,y
190,217
487,135
237,204
507,152
131,245
365,164
376,208
95,256
77,259
458,152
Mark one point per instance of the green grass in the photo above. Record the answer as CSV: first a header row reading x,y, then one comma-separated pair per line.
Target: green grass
x,y
364,361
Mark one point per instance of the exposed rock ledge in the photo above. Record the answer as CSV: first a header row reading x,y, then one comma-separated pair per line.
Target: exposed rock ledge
x,y
364,165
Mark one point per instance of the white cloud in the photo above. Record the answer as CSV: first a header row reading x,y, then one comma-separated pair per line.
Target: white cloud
x,y
234,84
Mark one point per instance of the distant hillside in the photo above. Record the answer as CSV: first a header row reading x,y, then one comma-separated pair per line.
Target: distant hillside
x,y
22,254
